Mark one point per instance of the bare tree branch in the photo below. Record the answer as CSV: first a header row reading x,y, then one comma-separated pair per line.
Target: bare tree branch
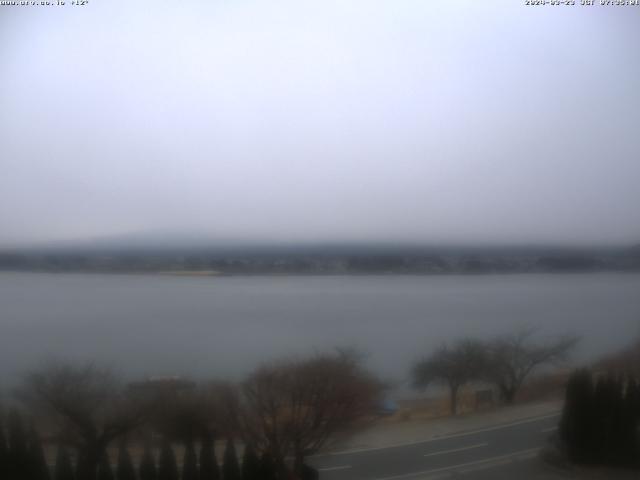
x,y
294,407
511,359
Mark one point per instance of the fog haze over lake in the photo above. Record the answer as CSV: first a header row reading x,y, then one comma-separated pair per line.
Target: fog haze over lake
x,y
223,327
146,128
362,120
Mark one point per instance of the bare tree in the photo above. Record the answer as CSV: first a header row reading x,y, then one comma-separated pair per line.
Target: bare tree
x,y
452,366
511,359
292,408
87,403
204,411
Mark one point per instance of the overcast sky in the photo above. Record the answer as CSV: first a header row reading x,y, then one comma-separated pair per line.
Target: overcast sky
x,y
421,121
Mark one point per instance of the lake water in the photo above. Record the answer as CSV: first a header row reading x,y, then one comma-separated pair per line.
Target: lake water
x,y
223,327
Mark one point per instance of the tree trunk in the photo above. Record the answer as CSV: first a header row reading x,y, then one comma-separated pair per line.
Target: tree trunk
x,y
302,471
508,392
454,399
509,395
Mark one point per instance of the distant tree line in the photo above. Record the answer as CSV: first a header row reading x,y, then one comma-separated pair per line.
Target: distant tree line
x,y
505,362
326,260
282,413
600,419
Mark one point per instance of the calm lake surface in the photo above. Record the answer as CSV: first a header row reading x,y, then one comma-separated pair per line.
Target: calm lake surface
x,y
223,327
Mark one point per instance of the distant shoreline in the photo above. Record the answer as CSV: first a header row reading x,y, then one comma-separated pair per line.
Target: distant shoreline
x,y
190,273
322,261
214,274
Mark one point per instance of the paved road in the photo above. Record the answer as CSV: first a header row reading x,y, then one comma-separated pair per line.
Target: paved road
x,y
503,451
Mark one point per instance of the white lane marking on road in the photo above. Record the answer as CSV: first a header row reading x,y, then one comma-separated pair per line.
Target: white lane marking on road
x,y
329,469
547,430
527,454
453,450
435,439
499,458
484,466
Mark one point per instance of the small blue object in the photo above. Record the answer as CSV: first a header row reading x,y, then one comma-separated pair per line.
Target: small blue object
x,y
387,407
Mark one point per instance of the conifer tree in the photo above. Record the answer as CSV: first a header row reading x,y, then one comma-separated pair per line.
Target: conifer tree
x,y
576,423
37,461
190,463
63,469
618,441
4,452
634,406
230,466
601,420
629,425
168,468
250,464
633,399
209,469
125,470
148,469
82,467
18,448
268,470
105,472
